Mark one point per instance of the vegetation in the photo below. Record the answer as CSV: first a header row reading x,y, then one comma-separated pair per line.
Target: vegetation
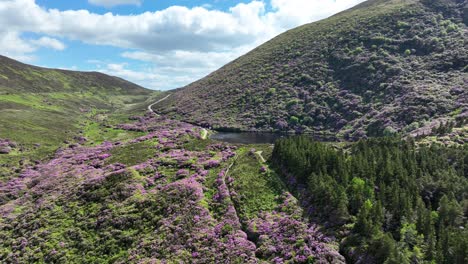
x,y
85,177
167,195
381,66
389,200
43,109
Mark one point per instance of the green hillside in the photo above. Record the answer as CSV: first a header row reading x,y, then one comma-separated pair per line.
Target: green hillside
x,y
42,109
16,77
89,175
379,68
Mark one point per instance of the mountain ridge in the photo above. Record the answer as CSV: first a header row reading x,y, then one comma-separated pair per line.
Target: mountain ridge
x,y
42,109
30,78
344,75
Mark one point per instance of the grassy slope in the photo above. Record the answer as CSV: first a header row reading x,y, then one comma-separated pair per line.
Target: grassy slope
x,y
260,190
41,109
71,229
383,64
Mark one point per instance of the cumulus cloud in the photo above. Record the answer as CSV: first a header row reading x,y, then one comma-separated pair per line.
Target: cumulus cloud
x,y
176,27
187,59
291,13
13,46
173,40
178,68
47,42
153,78
112,3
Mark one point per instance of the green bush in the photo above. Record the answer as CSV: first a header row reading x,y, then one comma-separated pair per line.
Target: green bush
x,y
294,120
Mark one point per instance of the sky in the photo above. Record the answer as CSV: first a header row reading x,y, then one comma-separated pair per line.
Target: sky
x,y
158,44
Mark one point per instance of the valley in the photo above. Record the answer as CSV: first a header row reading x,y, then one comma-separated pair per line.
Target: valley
x,y
167,170
339,141
44,109
153,189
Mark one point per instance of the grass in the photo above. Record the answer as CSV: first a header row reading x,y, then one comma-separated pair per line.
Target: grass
x,y
197,144
30,101
133,154
44,109
259,189
96,132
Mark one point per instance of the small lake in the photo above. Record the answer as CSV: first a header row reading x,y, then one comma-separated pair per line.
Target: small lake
x,y
246,137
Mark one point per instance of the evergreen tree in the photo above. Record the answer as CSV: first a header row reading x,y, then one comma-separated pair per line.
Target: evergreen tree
x,y
388,188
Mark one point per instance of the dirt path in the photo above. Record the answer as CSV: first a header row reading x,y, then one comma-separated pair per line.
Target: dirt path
x,y
157,102
230,166
204,134
259,153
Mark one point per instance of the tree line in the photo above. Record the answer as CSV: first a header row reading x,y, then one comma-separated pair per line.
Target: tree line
x,y
392,201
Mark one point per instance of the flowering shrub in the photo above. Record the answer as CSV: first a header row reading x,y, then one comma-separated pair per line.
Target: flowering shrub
x,y
365,84
6,146
282,237
146,200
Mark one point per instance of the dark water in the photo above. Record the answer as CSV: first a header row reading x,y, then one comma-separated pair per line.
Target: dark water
x,y
246,137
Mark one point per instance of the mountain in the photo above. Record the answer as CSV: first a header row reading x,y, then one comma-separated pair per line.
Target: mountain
x,y
85,178
382,67
40,108
16,77
89,175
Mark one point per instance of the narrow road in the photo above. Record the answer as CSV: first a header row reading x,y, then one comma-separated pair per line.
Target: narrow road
x,y
157,102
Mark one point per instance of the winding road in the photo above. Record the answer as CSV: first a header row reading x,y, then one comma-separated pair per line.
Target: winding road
x,y
204,132
157,102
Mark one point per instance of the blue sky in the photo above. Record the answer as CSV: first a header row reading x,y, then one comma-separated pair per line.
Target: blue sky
x,y
126,9
158,44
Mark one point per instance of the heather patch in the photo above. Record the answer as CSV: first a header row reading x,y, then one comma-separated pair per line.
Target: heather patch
x,y
45,109
150,199
282,237
7,146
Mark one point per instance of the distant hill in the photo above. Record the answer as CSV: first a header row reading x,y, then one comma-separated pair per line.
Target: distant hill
x,y
382,67
17,77
41,109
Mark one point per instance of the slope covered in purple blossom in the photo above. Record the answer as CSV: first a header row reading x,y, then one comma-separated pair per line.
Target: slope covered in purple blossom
x,y
42,109
164,196
380,68
85,177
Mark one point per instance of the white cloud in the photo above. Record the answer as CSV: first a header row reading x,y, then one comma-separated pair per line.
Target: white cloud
x,y
47,42
172,68
292,13
112,3
120,70
176,39
186,59
92,61
150,77
13,46
173,28
207,6
72,68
